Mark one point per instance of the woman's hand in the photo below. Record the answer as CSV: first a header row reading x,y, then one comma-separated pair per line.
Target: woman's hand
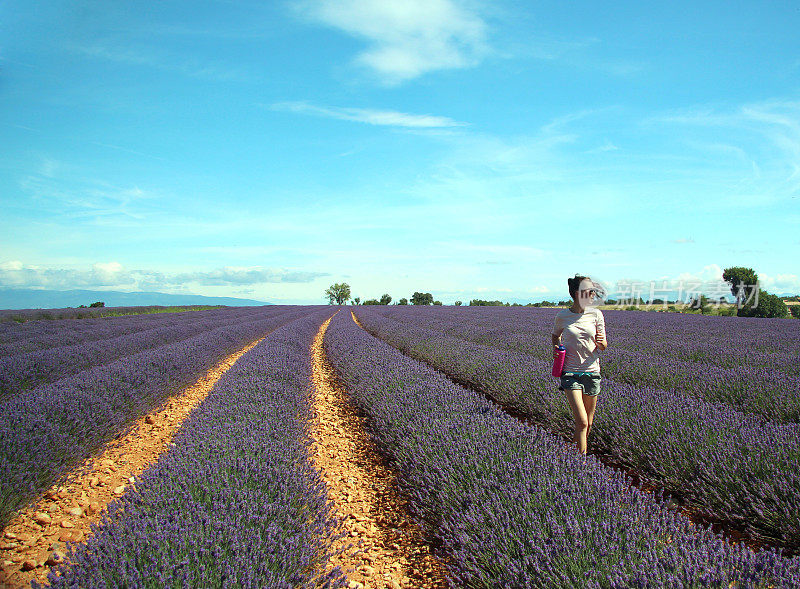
x,y
600,336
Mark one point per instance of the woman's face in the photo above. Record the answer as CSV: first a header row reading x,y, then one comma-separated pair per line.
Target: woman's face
x,y
586,294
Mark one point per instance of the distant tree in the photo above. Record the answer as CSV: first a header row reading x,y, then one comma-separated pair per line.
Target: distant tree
x,y
403,301
548,304
338,293
357,300
386,299
458,303
98,304
482,303
371,302
81,306
700,303
794,310
420,298
437,303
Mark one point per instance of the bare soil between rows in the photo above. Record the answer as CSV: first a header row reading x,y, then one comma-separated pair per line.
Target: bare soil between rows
x,y
38,537
382,548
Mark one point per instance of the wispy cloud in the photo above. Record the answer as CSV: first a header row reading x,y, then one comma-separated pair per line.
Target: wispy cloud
x,y
213,70
52,188
387,118
406,38
763,138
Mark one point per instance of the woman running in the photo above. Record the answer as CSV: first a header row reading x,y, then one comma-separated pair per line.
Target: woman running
x,y
584,336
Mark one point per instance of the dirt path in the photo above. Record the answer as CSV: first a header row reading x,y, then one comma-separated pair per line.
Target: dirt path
x,y
386,549
36,538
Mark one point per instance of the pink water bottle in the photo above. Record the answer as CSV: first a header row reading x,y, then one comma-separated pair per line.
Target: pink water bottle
x,y
558,361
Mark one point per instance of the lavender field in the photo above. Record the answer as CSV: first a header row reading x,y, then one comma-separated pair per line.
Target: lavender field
x,y
461,403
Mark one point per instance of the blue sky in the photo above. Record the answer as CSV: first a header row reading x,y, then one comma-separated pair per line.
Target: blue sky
x,y
467,149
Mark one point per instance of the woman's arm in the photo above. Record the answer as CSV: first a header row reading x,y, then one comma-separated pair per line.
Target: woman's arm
x,y
600,332
556,335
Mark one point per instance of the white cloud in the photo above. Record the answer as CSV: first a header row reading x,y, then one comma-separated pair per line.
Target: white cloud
x,y
406,38
370,116
780,283
113,274
709,272
11,265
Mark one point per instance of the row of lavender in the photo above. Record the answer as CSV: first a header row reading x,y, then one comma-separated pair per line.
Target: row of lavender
x,y
235,503
48,431
27,371
733,466
727,342
41,335
511,505
669,351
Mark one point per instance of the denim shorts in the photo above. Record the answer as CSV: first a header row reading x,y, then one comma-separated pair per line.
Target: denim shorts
x,y
588,382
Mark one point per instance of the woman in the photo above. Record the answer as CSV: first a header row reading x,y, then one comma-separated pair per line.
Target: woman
x,y
584,336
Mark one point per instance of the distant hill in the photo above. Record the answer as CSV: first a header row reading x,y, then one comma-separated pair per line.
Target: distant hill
x,y
28,298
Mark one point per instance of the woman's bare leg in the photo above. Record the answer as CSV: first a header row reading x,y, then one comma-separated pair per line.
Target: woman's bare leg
x,y
589,405
581,420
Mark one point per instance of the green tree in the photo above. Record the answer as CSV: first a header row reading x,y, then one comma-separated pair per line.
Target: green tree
x,y
338,293
403,301
372,302
437,303
98,304
386,299
357,300
458,303
422,298
768,305
744,284
751,301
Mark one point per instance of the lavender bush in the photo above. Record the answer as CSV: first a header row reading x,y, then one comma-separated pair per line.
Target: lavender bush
x,y
752,364
235,503
33,336
735,467
46,432
511,505
25,315
27,371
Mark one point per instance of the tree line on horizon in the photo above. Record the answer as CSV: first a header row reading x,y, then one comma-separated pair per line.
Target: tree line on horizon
x,y
750,299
